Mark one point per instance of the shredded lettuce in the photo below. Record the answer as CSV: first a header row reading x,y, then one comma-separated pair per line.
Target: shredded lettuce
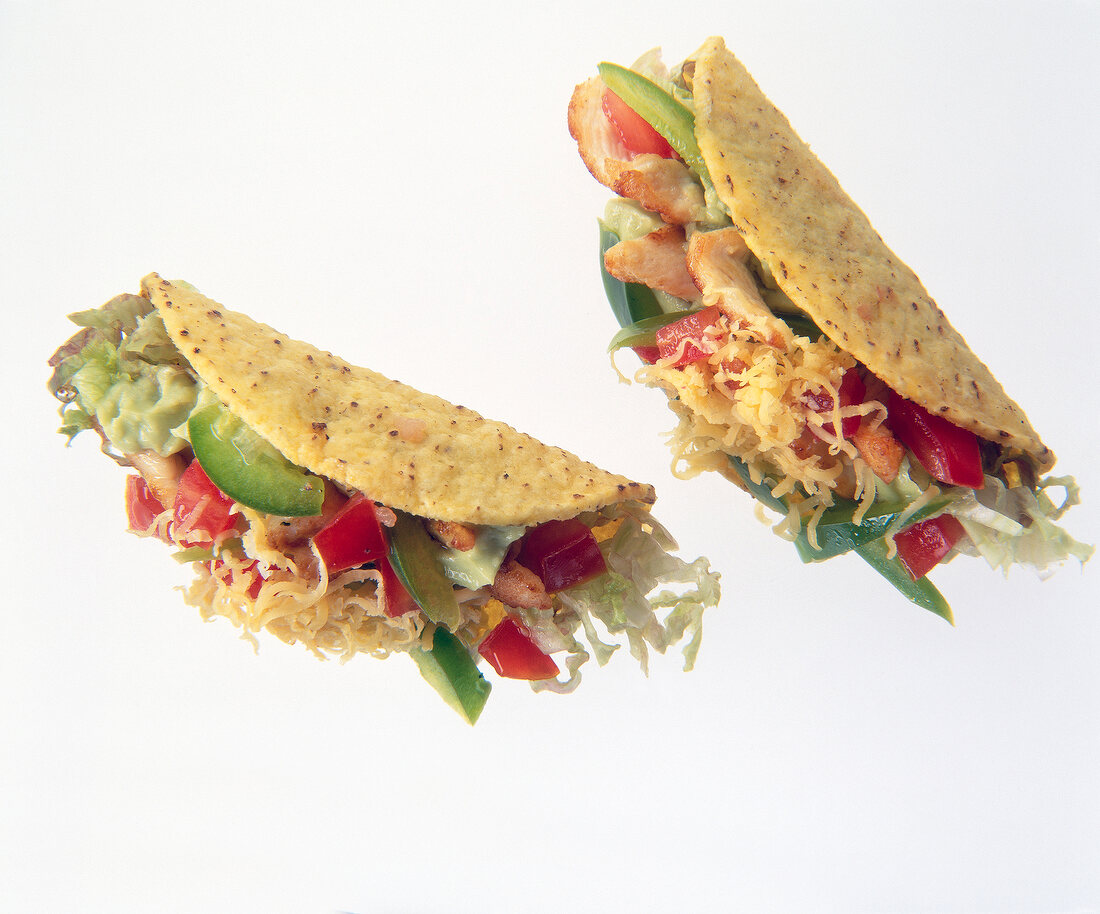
x,y
1017,526
648,595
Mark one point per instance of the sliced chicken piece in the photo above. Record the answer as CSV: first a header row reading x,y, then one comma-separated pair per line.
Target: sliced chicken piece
x,y
881,451
455,535
295,531
520,587
664,186
162,474
718,262
658,260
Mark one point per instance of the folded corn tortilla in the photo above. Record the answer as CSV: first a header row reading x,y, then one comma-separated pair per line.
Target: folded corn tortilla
x,y
828,259
345,422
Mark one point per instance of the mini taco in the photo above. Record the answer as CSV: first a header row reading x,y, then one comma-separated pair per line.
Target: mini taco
x,y
803,359
341,510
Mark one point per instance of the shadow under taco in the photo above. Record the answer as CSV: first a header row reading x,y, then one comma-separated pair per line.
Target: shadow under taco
x,y
804,360
336,508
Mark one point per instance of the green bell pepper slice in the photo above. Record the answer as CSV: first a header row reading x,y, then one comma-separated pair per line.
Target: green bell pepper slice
x,y
449,668
644,332
923,592
416,559
837,534
630,301
670,117
840,535
250,470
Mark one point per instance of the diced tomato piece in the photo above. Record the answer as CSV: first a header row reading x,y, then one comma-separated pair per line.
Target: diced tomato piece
x,y
398,600
352,537
202,511
951,454
691,329
142,506
851,393
563,553
922,546
648,354
512,652
634,130
253,572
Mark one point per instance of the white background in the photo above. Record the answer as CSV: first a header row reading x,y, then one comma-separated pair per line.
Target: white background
x,y
395,182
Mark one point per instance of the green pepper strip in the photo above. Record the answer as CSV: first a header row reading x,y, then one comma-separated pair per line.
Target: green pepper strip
x,y
837,534
866,540
923,592
630,301
450,669
644,332
415,559
247,468
665,113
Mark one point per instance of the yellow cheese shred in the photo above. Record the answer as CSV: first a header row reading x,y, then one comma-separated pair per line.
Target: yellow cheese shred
x,y
745,399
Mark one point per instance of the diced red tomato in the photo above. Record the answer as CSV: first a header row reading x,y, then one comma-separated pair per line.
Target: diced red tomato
x,y
512,652
142,506
922,546
563,553
851,393
253,572
352,537
201,512
398,600
634,130
689,328
648,354
949,453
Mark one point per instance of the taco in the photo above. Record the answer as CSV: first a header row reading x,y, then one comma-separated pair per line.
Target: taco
x,y
803,359
341,510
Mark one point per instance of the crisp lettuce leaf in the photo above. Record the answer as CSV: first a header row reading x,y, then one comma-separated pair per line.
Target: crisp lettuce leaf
x,y
649,596
1017,526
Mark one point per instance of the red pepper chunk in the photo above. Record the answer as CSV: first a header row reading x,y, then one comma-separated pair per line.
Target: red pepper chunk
x,y
850,393
563,553
922,546
648,354
397,599
142,506
512,652
352,537
636,133
202,512
256,580
690,328
949,453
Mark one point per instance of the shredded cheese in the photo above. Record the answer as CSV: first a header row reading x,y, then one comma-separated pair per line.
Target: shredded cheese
x,y
747,398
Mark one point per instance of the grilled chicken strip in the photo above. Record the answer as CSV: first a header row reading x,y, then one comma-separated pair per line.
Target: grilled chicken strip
x,y
659,260
520,587
718,262
660,185
455,535
161,474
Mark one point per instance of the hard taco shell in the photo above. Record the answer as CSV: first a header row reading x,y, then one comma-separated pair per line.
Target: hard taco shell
x,y
825,255
405,449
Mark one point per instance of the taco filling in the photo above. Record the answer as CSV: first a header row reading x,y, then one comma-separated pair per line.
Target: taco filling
x,y
804,361
341,510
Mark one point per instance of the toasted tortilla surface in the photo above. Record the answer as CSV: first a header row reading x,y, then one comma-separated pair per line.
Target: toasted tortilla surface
x,y
826,256
405,449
